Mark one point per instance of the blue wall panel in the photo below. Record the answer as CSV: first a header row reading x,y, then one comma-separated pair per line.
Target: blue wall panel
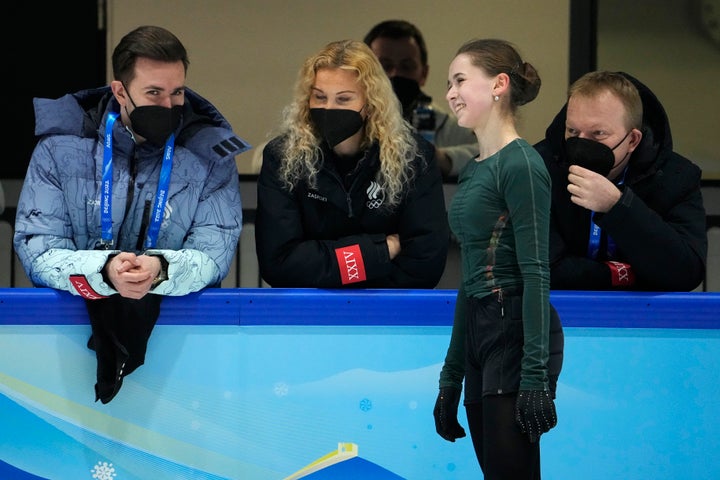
x,y
261,383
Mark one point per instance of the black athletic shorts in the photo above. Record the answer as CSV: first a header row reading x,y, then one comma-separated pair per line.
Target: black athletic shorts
x,y
494,347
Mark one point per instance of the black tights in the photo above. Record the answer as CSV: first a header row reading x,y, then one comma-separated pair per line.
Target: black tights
x,y
503,451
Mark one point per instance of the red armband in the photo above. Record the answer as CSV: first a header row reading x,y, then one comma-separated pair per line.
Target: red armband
x,y
621,274
83,287
350,262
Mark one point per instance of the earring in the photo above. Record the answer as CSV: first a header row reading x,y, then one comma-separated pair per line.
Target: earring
x,y
496,98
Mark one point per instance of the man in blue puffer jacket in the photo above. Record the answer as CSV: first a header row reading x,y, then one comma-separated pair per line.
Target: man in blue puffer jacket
x,y
131,194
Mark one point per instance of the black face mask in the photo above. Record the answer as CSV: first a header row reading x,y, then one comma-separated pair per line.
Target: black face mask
x,y
407,90
153,122
592,155
336,124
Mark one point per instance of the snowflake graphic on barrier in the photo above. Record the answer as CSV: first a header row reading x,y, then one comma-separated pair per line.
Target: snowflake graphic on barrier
x,y
103,471
365,405
281,389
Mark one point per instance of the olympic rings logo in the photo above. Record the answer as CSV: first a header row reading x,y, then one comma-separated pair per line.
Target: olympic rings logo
x,y
375,203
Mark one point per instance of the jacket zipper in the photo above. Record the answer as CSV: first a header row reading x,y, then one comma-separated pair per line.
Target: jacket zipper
x,y
130,195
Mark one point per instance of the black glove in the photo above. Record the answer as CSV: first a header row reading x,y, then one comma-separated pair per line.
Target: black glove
x,y
445,413
535,413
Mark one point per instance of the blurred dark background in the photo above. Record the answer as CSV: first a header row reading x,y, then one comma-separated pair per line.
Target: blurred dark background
x,y
61,49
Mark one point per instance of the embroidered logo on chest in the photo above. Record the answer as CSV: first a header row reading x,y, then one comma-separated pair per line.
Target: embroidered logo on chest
x,y
376,195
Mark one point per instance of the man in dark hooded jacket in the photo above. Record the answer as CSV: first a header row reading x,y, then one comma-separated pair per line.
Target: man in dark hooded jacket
x,y
627,211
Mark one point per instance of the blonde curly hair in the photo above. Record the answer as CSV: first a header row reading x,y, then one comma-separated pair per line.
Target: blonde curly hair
x,y
302,157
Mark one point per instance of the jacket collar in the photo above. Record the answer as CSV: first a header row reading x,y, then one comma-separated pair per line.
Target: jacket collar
x,y
204,130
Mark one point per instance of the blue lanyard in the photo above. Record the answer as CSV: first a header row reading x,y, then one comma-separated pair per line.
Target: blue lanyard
x,y
106,202
107,179
596,233
594,241
161,194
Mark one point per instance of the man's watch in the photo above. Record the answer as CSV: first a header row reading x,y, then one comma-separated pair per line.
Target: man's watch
x,y
162,275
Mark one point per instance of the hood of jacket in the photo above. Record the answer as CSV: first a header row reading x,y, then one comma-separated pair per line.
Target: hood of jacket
x,y
656,133
83,114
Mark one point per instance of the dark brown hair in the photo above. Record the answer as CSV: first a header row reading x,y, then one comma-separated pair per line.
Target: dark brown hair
x,y
496,56
147,41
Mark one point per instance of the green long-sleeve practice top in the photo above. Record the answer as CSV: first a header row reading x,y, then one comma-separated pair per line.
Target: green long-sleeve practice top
x,y
500,215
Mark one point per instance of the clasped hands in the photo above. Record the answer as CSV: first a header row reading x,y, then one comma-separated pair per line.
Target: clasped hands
x,y
132,275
